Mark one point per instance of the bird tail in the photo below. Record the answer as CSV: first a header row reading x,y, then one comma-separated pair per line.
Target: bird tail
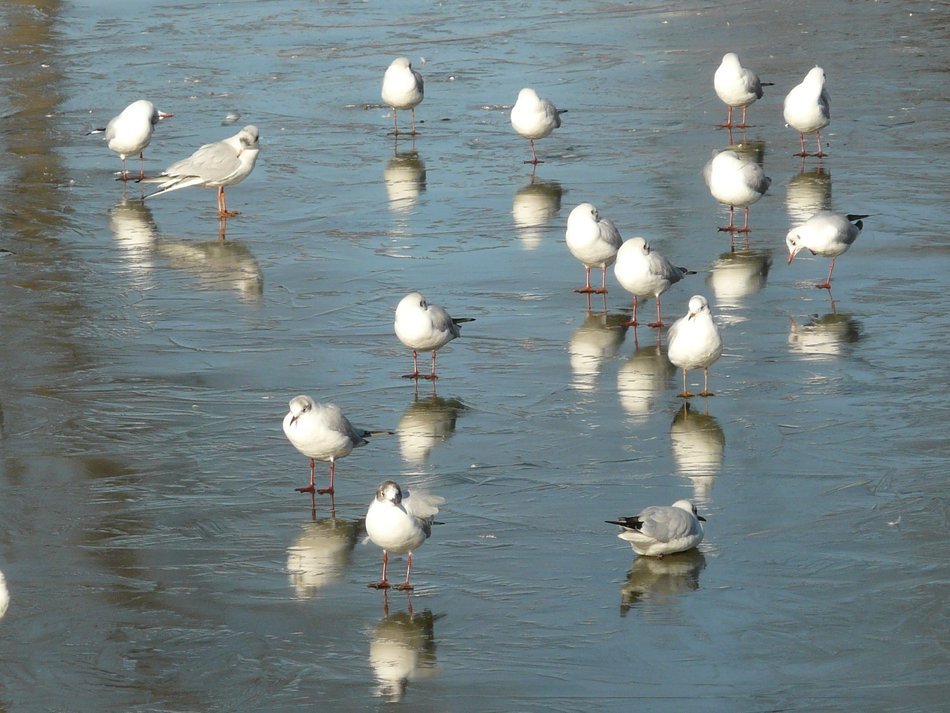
x,y
95,131
767,84
462,320
170,184
854,216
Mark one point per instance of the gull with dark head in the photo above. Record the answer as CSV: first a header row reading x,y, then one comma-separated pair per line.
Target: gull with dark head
x,y
130,132
534,118
321,432
223,163
694,342
400,524
807,108
737,86
644,272
662,529
403,88
425,327
827,234
594,241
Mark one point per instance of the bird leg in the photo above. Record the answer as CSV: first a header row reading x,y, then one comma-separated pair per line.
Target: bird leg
x,y
728,124
685,394
309,488
743,125
706,391
329,491
659,322
431,376
731,227
383,583
820,154
633,322
223,211
413,110
534,155
415,367
745,227
141,165
587,289
405,586
826,285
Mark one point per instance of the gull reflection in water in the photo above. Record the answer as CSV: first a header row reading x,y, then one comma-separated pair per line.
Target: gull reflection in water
x,y
534,205
827,337
402,650
321,554
596,340
135,232
218,265
738,274
661,579
405,179
807,194
643,377
4,596
426,424
699,446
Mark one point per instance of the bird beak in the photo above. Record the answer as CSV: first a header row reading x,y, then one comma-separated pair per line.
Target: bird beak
x,y
791,256
691,315
294,419
163,115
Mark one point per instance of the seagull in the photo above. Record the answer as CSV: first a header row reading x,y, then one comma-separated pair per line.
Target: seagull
x,y
827,234
403,88
662,529
643,272
223,163
594,241
131,131
322,432
534,118
807,109
734,181
423,327
737,86
399,524
694,342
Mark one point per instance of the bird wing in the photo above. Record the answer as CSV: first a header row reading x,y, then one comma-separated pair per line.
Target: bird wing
x,y
211,162
609,233
666,523
442,322
422,505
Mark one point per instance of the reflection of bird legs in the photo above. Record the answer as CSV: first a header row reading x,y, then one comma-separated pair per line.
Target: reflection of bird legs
x,y
603,294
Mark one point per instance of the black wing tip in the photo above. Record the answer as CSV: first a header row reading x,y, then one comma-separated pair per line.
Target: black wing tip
x,y
856,216
462,320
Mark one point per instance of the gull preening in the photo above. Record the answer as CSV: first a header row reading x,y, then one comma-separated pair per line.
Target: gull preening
x,y
321,432
737,86
424,327
403,88
735,182
594,241
827,234
807,109
662,529
400,524
534,118
130,132
222,163
644,272
694,342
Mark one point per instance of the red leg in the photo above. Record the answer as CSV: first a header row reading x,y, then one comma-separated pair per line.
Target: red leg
x,y
534,154
383,583
587,289
743,125
329,491
728,124
732,225
309,488
415,367
432,376
633,322
405,586
413,110
659,322
826,285
820,153
223,211
745,226
706,391
803,152
685,394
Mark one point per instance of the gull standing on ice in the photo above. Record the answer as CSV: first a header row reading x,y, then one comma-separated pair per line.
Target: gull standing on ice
x,y
400,524
807,109
643,272
403,88
734,181
424,327
737,86
662,529
131,131
827,234
534,118
694,342
321,432
594,241
223,163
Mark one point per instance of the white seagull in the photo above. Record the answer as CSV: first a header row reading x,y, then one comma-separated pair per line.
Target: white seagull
x,y
694,342
734,181
644,272
223,163
424,327
827,234
400,524
662,529
737,86
534,118
131,131
403,88
594,241
807,109
321,432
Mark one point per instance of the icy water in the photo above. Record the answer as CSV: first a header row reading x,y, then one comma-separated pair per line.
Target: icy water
x,y
156,554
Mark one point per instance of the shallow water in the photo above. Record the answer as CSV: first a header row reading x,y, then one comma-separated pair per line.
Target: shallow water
x,y
156,555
